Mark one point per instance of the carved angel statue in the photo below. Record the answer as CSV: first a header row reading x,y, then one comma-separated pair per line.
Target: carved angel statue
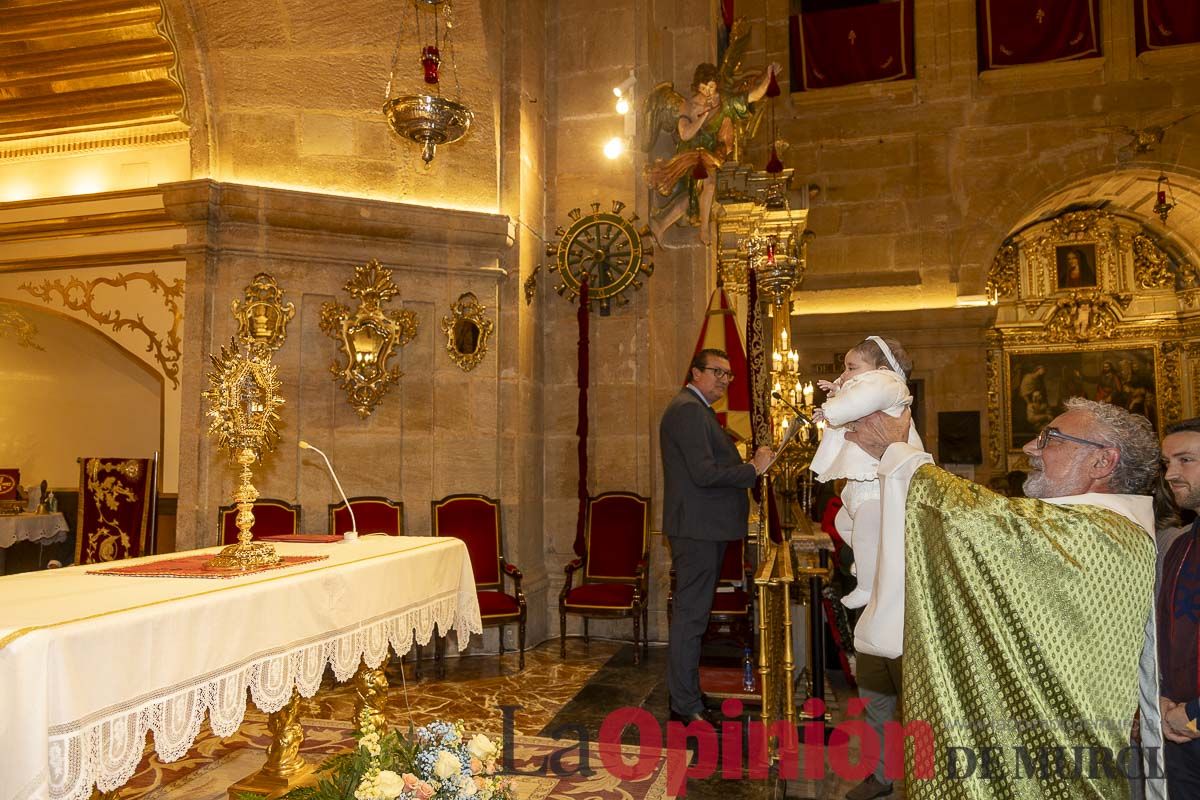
x,y
707,128
1141,140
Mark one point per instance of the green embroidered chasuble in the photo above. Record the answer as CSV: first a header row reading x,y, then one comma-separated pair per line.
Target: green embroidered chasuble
x,y
1024,624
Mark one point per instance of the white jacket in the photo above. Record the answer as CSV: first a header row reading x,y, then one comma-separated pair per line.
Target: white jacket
x,y
866,393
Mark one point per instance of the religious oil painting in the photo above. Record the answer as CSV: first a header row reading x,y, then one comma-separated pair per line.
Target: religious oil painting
x,y
1076,265
1040,383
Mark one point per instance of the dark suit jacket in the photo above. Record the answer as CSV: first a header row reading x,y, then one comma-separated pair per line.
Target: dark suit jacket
x,y
705,480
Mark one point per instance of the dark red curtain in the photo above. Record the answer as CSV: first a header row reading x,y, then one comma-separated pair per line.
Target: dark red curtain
x,y
1166,23
838,46
1013,32
583,373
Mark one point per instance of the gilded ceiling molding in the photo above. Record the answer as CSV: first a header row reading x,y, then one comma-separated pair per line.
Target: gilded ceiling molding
x,y
13,323
80,296
73,66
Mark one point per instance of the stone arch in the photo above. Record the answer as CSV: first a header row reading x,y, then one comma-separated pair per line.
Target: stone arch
x,y
1059,175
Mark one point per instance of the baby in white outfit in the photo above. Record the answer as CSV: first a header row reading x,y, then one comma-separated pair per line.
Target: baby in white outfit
x,y
875,380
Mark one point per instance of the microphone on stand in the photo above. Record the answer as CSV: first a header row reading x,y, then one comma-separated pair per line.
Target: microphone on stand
x,y
803,417
351,534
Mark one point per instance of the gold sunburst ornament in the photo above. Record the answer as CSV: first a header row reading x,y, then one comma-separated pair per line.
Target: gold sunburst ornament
x,y
243,411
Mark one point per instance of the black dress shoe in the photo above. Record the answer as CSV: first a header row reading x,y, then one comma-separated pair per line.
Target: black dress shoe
x,y
696,716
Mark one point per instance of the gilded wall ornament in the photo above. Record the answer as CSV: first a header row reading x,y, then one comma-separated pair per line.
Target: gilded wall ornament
x,y
1082,317
262,317
1151,266
14,324
78,295
1077,250
368,336
1003,274
1170,406
467,332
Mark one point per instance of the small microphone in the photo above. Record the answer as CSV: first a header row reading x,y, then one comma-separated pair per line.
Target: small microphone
x,y
351,534
803,417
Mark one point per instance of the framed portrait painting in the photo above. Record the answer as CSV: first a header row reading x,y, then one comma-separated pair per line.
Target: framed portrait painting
x,y
1040,383
1076,265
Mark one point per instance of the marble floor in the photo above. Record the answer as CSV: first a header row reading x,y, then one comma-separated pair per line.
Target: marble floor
x,y
550,699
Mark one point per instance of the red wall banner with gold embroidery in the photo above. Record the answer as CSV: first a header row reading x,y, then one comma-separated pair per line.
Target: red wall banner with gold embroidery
x,y
856,44
1013,32
1166,23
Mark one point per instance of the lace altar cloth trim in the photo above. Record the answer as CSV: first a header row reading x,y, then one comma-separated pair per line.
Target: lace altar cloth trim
x,y
106,748
196,567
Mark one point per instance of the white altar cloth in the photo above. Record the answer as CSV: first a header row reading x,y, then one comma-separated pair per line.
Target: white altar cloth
x,y
90,663
43,528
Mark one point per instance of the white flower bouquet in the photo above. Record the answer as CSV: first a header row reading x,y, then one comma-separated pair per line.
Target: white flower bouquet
x,y
433,762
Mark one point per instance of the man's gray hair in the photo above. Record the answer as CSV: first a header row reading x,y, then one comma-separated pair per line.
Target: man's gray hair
x,y
1134,438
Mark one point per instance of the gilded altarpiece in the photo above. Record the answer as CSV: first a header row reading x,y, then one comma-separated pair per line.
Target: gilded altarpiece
x,y
1092,304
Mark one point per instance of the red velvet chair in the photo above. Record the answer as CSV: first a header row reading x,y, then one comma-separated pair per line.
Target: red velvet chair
x,y
733,601
117,516
475,519
615,565
373,514
271,518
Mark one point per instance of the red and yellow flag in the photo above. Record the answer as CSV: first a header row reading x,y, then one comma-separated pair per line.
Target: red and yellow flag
x,y
720,331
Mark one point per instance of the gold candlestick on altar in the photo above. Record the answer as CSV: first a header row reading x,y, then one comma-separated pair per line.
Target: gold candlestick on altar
x,y
244,398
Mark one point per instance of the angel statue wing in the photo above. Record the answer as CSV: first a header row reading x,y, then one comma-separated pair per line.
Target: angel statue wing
x,y
735,53
660,113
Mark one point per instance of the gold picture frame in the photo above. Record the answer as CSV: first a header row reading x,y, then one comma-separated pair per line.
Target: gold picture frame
x,y
467,331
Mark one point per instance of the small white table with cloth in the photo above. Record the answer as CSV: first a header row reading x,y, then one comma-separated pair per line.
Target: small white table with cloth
x,y
90,663
29,527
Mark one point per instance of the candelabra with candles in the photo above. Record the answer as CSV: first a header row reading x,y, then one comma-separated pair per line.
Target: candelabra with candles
x,y
790,392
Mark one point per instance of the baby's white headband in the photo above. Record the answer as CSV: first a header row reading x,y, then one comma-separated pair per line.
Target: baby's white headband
x,y
887,353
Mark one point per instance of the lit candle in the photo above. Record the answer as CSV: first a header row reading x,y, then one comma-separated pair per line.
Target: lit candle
x,y
777,360
1162,197
783,338
820,429
808,394
777,386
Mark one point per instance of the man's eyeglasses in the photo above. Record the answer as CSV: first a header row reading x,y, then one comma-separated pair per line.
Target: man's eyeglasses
x,y
719,373
1047,434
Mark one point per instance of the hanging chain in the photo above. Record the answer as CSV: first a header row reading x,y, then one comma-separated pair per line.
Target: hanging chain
x,y
387,92
450,49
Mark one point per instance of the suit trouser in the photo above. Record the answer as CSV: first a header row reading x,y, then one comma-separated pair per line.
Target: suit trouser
x,y
879,682
697,565
1183,768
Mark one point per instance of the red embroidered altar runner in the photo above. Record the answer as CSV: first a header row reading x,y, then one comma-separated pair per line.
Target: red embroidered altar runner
x,y
1013,32
860,44
196,567
304,538
1166,23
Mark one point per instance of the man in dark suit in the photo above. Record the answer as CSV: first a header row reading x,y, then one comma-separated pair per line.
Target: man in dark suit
x,y
704,507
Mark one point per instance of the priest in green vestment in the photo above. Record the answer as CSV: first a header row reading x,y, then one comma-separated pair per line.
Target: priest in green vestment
x,y
1026,624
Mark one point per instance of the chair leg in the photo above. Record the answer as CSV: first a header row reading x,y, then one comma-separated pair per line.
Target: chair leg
x,y
521,641
586,638
646,629
417,652
562,635
501,640
439,655
637,639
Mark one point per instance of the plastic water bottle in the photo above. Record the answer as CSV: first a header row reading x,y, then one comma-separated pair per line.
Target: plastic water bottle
x,y
747,671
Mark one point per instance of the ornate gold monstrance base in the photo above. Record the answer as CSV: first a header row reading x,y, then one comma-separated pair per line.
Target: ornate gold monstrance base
x,y
245,554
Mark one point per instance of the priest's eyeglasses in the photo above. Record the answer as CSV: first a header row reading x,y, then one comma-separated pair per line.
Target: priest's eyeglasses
x,y
1047,434
720,373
